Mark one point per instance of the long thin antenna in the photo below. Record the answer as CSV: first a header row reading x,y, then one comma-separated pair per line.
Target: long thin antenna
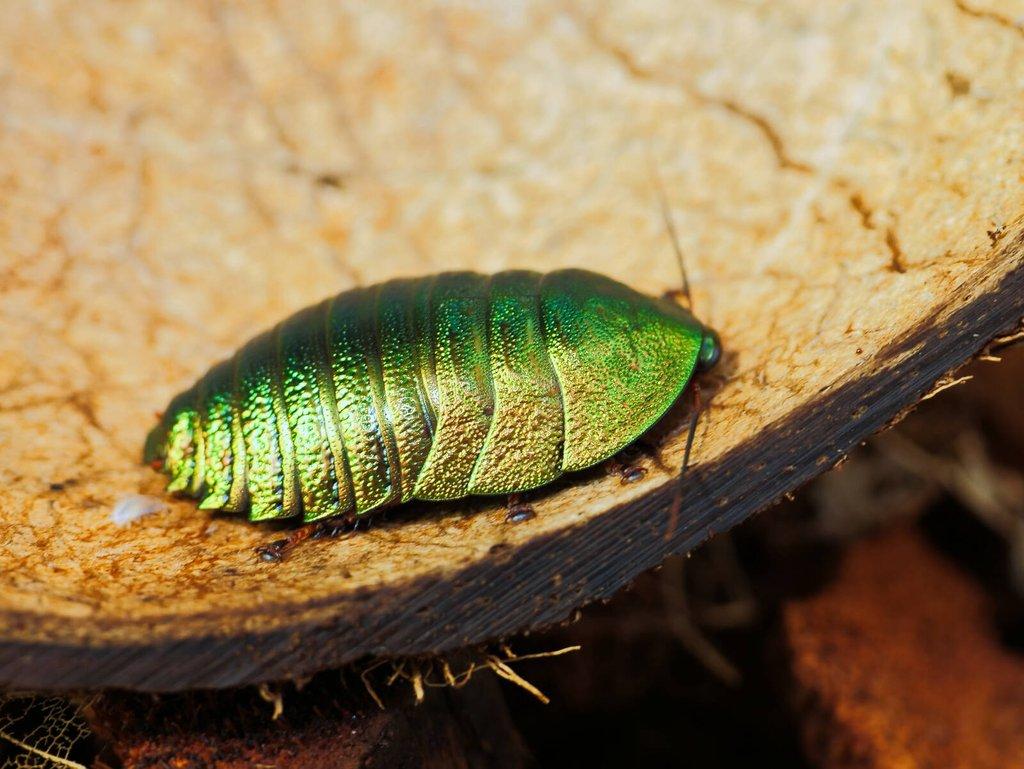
x,y
677,497
698,408
670,226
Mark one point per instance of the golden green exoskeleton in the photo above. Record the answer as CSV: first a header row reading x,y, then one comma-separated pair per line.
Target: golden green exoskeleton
x,y
431,388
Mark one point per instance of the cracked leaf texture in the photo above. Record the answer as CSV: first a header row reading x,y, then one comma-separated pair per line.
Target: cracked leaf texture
x,y
40,732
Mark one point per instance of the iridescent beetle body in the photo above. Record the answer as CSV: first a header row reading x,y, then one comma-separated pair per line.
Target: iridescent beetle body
x,y
431,388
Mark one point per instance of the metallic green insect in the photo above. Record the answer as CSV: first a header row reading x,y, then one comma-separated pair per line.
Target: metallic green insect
x,y
432,388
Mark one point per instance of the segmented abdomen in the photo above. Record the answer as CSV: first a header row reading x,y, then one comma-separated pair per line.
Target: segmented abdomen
x,y
432,388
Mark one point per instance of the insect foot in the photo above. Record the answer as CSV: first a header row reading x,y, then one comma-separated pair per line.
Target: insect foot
x,y
675,295
519,511
627,470
273,552
632,474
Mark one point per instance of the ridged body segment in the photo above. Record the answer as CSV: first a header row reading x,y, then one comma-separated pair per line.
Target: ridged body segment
x,y
238,496
458,338
301,353
199,448
404,392
179,445
523,447
216,408
431,388
620,362
256,389
350,344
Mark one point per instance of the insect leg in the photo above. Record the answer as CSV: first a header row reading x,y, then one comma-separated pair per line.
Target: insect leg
x,y
330,527
675,295
625,466
518,510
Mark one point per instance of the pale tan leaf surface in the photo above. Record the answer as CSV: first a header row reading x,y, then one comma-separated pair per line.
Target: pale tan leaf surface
x,y
845,178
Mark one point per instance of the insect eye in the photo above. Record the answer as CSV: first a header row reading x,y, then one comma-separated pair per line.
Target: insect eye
x,y
710,351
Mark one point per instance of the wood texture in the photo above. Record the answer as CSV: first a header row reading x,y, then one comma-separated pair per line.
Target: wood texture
x,y
845,179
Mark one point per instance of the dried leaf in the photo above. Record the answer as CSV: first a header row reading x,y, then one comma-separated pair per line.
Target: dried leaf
x,y
40,732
